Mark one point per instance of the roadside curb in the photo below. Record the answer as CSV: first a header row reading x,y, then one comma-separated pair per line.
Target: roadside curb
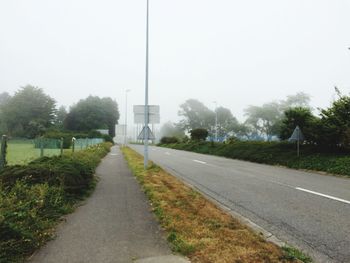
x,y
164,259
244,220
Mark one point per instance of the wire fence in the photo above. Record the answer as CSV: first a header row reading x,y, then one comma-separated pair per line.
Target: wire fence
x,y
22,151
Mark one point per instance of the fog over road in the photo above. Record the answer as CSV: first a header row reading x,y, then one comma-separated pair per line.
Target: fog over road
x,y
308,210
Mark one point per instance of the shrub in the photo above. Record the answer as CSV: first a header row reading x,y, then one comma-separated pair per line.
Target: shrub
x,y
34,196
320,158
107,138
185,139
168,140
199,134
27,215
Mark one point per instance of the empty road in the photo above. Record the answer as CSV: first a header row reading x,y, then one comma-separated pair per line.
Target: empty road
x,y
307,210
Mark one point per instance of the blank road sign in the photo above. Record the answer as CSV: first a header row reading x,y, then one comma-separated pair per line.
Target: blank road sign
x,y
152,109
152,118
153,114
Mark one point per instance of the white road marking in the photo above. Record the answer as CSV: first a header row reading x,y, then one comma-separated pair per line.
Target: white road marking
x,y
114,154
323,195
199,162
167,153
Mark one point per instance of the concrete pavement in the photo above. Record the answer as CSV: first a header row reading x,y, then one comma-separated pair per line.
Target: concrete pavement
x,y
115,224
306,210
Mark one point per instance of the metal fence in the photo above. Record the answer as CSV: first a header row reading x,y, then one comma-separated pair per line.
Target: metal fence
x,y
22,151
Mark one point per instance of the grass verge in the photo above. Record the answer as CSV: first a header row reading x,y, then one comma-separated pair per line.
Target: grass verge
x,y
197,228
333,161
33,198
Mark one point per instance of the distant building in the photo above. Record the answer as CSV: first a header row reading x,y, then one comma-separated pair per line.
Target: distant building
x,y
119,134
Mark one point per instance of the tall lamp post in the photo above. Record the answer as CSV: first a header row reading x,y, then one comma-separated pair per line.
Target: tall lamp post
x,y
216,120
145,155
126,116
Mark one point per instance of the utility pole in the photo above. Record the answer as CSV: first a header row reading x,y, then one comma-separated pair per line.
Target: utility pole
x,y
145,160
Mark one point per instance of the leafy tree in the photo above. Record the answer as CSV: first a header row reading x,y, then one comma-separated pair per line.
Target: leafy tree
x,y
336,122
29,112
195,115
300,99
93,113
302,117
245,131
265,119
199,134
169,129
60,117
227,123
4,98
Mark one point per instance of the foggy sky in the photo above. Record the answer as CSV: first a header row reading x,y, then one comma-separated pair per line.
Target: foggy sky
x,y
237,53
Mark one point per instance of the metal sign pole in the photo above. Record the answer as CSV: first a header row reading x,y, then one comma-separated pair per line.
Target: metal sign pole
x,y
145,161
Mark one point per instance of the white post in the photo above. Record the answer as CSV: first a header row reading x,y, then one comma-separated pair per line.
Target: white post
x,y
145,161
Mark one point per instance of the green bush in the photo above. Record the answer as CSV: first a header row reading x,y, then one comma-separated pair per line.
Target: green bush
x,y
167,140
33,197
332,160
199,134
107,138
67,138
27,215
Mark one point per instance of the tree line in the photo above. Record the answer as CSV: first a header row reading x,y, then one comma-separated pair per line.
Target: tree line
x,y
271,121
31,113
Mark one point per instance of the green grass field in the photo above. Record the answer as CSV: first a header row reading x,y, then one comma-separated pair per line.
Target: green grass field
x,y
23,151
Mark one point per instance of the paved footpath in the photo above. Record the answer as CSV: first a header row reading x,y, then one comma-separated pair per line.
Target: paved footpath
x,y
115,224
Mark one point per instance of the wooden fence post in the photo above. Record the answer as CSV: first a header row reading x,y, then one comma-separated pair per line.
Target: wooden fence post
x,y
41,147
3,152
73,144
61,146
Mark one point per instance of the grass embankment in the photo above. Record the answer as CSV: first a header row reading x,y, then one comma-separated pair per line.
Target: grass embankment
x,y
275,153
33,198
196,227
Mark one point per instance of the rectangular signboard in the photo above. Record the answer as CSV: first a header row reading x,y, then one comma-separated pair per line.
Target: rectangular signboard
x,y
153,118
152,109
139,114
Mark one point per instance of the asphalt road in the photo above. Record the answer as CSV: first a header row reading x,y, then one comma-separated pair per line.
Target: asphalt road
x,y
307,210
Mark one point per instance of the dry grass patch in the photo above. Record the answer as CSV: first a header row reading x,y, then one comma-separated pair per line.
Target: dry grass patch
x,y
195,226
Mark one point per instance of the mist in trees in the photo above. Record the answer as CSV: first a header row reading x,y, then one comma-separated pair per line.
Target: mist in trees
x,y
171,129
30,113
196,115
262,122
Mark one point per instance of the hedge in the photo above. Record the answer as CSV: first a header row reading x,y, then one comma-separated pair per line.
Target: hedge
x,y
33,198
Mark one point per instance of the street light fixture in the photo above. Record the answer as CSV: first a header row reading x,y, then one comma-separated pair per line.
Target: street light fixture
x,y
126,117
216,120
145,154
